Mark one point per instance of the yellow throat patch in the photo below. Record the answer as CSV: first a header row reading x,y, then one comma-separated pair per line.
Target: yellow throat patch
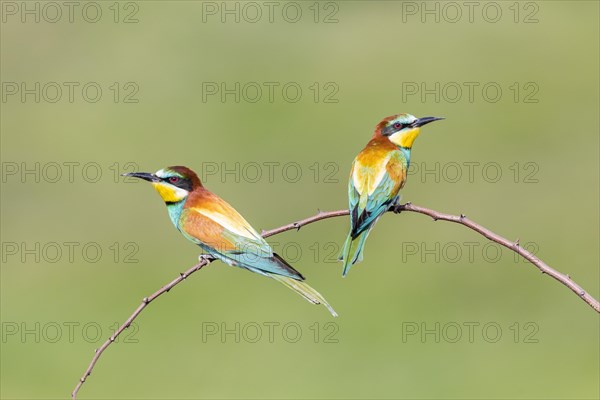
x,y
405,138
169,194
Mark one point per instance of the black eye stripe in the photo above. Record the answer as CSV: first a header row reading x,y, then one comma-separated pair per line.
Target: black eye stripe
x,y
182,183
395,127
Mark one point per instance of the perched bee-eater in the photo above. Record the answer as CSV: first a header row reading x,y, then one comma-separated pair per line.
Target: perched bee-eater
x,y
211,223
378,173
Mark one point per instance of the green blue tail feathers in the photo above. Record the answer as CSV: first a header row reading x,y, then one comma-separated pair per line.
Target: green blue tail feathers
x,y
303,290
352,253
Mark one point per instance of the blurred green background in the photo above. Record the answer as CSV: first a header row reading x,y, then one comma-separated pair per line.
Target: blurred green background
x,y
363,58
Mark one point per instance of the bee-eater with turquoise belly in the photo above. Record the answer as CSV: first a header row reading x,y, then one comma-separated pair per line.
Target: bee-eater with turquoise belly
x,y
378,173
211,223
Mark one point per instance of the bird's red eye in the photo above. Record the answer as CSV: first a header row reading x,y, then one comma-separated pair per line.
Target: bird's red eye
x,y
397,125
174,179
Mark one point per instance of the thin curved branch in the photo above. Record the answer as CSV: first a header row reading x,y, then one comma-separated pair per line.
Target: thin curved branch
x,y
204,261
321,215
514,246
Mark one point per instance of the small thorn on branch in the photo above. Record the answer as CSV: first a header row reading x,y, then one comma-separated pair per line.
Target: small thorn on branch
x,y
183,275
145,300
516,243
462,216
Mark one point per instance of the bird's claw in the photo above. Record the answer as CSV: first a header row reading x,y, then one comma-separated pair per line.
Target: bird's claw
x,y
204,257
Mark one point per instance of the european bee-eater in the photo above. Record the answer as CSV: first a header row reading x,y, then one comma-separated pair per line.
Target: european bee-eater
x,y
378,173
211,223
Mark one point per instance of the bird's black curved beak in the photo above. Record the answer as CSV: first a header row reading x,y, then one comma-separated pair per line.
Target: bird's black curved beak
x,y
424,121
143,175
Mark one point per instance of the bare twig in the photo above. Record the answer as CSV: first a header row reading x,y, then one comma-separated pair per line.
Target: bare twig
x,y
321,215
514,246
204,261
